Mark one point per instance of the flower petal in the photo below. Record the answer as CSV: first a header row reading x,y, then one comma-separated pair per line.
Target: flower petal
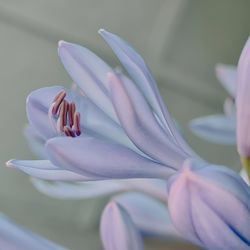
x,y
142,76
15,237
213,192
89,72
215,128
118,230
242,101
78,190
102,159
44,169
37,107
227,75
94,119
149,215
36,142
244,176
131,116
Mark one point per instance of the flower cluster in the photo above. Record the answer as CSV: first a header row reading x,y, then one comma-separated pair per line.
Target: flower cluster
x,y
112,133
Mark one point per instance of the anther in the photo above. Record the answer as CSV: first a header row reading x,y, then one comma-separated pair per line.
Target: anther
x,y
72,110
58,101
76,125
68,132
62,120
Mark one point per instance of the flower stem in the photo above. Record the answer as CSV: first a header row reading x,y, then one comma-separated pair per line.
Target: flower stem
x,y
245,161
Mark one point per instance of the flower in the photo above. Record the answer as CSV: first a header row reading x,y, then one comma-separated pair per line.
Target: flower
x,y
123,122
243,112
14,237
210,206
111,127
220,128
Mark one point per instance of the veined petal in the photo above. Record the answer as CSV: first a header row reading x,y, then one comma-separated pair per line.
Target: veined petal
x,y
227,75
118,230
14,237
219,129
44,169
102,159
37,107
242,101
213,192
89,72
94,119
36,142
150,216
131,118
142,76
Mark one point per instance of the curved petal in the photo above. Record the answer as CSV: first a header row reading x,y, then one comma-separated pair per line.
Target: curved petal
x,y
44,169
15,237
36,142
89,72
118,230
131,116
227,75
242,101
149,215
142,76
213,192
219,129
37,107
94,119
102,159
78,190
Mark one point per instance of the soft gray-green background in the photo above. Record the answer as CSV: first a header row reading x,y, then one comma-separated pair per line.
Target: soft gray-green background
x,y
181,41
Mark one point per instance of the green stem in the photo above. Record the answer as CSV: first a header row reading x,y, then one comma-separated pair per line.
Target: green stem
x,y
245,161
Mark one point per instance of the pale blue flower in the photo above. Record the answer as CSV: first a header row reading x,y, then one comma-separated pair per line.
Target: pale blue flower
x,y
119,128
210,206
220,128
15,237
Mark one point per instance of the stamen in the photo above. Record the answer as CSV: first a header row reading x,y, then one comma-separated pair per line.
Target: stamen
x,y
58,101
62,120
69,132
72,110
63,116
76,125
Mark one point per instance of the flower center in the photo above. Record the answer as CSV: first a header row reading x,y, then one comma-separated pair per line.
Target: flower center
x,y
64,117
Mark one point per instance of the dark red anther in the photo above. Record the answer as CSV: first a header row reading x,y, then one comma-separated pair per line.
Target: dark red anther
x,y
72,110
58,101
68,132
76,125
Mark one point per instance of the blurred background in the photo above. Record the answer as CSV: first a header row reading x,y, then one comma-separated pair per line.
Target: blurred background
x,y
181,40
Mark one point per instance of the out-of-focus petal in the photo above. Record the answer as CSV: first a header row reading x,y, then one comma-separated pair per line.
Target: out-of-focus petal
x,y
83,190
102,159
36,142
149,215
227,75
79,190
244,176
131,116
229,107
89,72
215,128
37,107
242,102
15,237
142,76
44,169
118,230
211,207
